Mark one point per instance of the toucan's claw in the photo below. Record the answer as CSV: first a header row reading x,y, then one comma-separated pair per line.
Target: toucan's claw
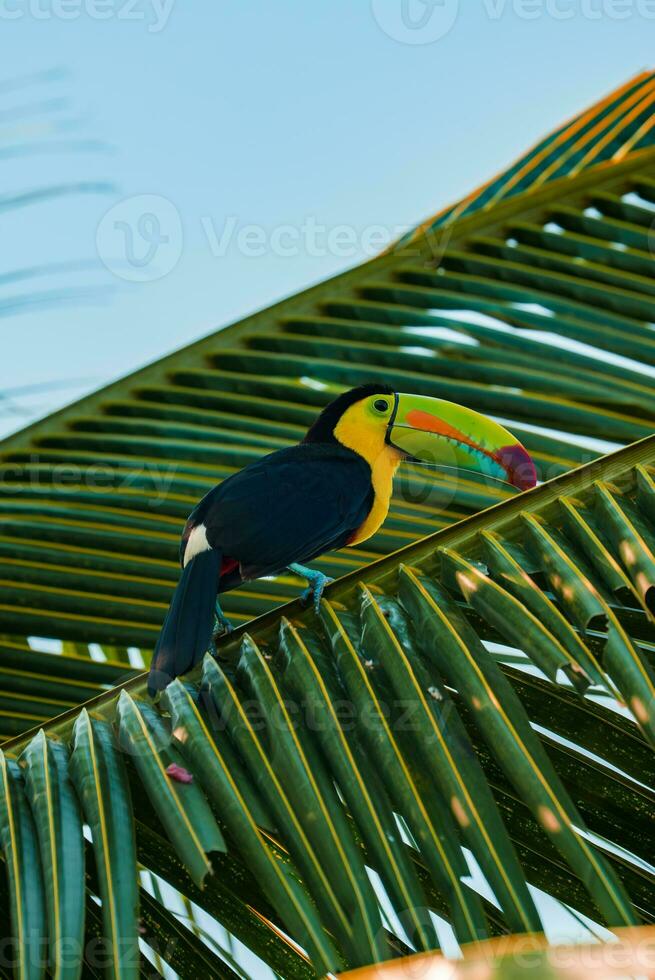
x,y
222,625
314,591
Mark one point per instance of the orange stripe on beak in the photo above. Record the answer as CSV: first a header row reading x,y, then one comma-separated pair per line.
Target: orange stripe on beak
x,y
430,423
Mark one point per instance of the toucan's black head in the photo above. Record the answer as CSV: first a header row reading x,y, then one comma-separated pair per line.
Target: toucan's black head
x,y
323,428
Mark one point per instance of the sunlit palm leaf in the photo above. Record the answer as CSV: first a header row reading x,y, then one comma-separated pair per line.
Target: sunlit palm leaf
x,y
608,131
565,780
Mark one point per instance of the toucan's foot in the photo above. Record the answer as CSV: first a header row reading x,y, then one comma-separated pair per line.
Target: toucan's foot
x,y
317,582
314,591
222,625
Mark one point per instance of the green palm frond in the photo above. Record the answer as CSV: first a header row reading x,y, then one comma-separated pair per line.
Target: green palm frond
x,y
490,687
467,726
537,310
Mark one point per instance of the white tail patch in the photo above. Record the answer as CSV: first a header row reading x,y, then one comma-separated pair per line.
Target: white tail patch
x,y
196,543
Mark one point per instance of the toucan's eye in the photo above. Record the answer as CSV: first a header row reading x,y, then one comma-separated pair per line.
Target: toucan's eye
x,y
381,405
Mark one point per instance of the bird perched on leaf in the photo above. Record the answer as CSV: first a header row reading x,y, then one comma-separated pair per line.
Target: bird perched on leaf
x,y
330,490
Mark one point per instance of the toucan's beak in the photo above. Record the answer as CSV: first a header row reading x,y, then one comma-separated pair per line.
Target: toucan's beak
x,y
431,430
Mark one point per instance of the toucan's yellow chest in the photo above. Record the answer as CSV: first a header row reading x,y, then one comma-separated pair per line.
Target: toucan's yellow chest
x,y
382,473
369,442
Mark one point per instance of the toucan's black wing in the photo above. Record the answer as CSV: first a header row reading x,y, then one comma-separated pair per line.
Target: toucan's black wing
x,y
290,506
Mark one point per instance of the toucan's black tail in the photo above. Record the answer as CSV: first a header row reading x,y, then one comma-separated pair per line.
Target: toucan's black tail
x,y
187,629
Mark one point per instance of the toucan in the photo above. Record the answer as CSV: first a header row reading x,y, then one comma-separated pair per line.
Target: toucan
x,y
329,491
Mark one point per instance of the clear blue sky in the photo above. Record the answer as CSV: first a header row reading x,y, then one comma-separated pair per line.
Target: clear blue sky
x,y
259,114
